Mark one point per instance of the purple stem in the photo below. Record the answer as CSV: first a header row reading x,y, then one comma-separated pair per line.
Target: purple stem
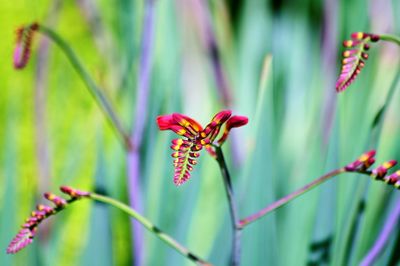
x,y
329,41
133,158
213,52
383,237
42,149
282,201
40,99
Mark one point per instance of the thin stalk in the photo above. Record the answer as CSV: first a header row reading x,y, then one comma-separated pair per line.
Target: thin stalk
x,y
210,40
279,203
236,249
94,90
383,237
390,38
41,89
151,227
134,158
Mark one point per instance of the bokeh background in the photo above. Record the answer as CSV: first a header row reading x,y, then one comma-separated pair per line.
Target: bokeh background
x,y
279,62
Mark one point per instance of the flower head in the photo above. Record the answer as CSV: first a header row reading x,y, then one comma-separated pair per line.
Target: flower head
x,y
26,234
194,138
354,58
23,45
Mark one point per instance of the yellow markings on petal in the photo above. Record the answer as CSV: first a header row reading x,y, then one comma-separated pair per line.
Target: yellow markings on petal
x,y
363,158
389,164
348,43
177,141
358,35
190,124
196,147
346,53
366,156
181,131
192,161
51,196
175,154
194,154
175,147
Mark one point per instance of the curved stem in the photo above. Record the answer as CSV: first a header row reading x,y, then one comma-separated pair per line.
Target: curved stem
x,y
235,256
279,203
390,38
90,84
383,237
149,226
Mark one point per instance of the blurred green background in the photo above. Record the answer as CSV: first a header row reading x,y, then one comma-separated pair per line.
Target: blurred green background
x,y
53,133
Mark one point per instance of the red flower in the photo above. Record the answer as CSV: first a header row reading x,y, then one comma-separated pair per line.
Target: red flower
x,y
194,138
23,45
27,233
354,58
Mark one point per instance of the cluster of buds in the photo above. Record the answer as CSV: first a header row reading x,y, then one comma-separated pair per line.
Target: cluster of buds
x,y
354,58
362,163
365,161
194,138
27,233
23,45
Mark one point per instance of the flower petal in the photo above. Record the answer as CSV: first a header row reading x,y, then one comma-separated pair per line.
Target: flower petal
x,y
164,122
234,121
213,127
190,124
180,124
222,116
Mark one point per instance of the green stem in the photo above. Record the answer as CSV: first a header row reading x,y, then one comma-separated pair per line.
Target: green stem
x,y
390,38
94,90
236,228
279,203
149,226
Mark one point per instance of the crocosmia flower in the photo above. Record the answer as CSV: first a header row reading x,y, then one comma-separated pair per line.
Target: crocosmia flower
x,y
354,58
194,138
28,230
23,45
